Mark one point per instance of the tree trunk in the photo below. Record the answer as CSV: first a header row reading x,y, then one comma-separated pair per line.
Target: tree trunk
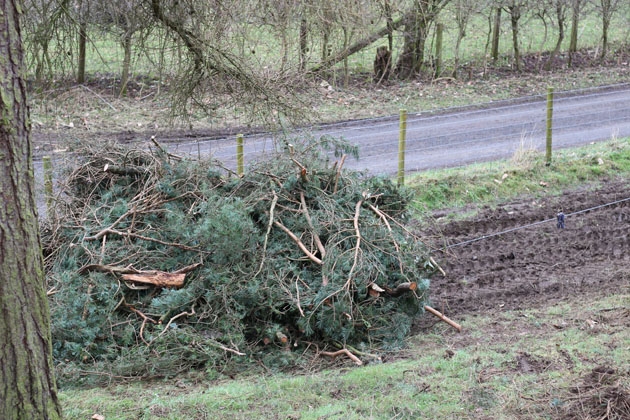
x,y
303,43
27,383
605,25
515,15
560,15
390,25
415,36
124,78
82,42
496,34
574,31
346,71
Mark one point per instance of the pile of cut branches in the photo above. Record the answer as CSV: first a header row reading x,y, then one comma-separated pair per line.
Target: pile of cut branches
x,y
158,264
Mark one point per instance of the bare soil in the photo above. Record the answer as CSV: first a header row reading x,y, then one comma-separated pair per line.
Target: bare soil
x,y
539,264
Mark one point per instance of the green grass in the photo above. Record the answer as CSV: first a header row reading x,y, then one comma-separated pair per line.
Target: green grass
x,y
480,380
525,174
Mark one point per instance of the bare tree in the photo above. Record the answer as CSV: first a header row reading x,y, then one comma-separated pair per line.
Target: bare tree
x,y
515,8
561,8
464,10
606,10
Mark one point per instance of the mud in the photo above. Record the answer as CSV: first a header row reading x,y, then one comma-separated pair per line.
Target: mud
x,y
539,264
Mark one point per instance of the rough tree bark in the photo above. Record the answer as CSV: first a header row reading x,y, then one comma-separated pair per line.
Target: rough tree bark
x,y
27,383
82,44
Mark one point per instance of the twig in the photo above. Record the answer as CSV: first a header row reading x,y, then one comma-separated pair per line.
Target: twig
x,y
297,289
318,242
357,247
144,238
389,228
437,266
343,158
191,313
144,321
443,318
163,150
298,242
271,210
345,351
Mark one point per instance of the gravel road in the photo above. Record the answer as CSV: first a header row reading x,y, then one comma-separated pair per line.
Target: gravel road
x,y
456,137
461,137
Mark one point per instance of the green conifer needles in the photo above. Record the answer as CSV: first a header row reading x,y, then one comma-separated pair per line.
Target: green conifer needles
x,y
296,252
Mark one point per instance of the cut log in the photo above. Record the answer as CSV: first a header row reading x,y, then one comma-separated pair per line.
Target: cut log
x,y
401,289
157,278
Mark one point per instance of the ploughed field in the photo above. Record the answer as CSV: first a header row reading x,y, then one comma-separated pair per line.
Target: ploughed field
x,y
537,264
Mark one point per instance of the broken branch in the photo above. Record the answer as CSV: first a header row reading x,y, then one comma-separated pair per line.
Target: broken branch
x,y
318,242
443,318
334,354
299,243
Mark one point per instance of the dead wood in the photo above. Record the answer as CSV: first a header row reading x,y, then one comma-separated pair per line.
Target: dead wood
x,y
346,352
299,243
318,241
401,289
159,279
443,318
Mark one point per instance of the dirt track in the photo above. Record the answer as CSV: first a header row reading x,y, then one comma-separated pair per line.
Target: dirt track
x,y
540,263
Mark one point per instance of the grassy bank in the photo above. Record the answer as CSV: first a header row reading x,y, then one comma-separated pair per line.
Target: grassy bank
x,y
518,364
524,174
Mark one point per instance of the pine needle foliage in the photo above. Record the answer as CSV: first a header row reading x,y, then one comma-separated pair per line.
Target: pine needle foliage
x,y
256,293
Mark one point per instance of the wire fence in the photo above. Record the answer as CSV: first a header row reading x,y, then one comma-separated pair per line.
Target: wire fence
x,y
540,222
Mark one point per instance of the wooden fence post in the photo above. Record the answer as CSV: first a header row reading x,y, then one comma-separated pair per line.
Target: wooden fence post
x,y
549,124
48,185
239,155
438,50
401,146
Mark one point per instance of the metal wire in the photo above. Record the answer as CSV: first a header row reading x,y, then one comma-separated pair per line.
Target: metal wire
x,y
491,235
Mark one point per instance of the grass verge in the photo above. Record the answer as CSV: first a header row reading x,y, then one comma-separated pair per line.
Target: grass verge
x,y
517,364
525,174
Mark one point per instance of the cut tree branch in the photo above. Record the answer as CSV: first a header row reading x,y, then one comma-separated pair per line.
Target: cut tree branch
x,y
334,354
443,318
299,243
318,242
401,289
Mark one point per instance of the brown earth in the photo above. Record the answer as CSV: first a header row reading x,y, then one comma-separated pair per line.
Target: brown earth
x,y
541,263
